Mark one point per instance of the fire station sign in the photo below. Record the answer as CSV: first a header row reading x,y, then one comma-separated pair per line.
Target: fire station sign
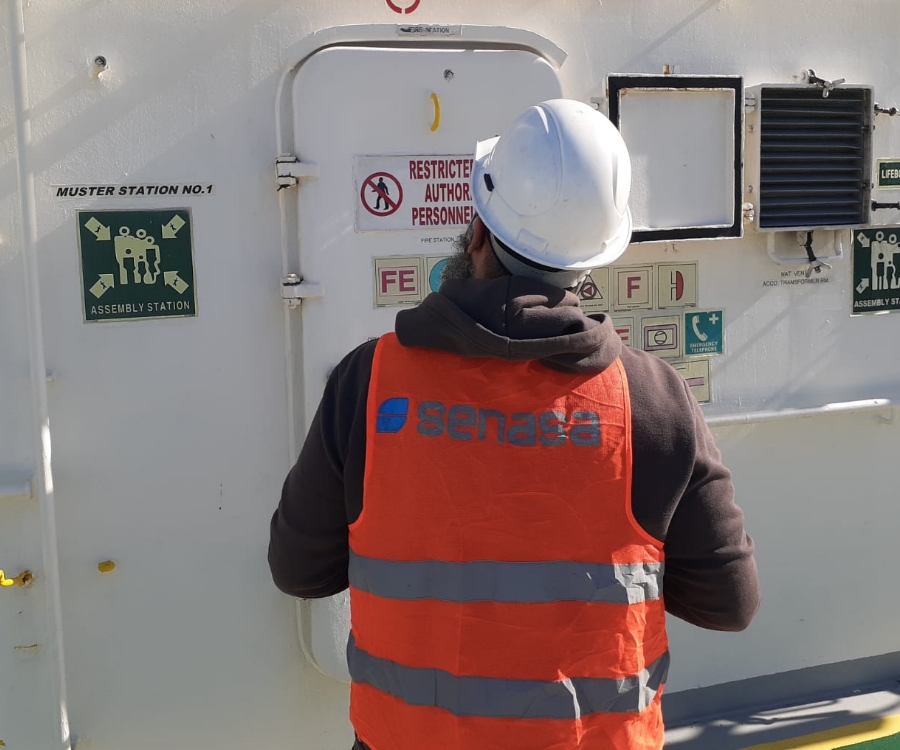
x,y
137,264
403,193
876,270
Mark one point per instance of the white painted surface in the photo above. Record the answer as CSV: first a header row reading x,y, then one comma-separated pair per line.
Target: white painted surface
x,y
682,152
171,436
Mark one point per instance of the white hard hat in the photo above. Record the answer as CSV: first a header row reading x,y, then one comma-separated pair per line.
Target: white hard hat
x,y
554,189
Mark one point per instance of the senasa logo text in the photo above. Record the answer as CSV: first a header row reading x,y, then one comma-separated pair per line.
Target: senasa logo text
x,y
467,423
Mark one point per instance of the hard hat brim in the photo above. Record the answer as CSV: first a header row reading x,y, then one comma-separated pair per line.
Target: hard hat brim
x,y
482,197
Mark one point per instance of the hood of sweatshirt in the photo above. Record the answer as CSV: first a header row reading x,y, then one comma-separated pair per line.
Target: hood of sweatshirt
x,y
512,318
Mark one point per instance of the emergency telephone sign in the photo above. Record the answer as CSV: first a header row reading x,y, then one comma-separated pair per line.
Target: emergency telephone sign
x,y
405,193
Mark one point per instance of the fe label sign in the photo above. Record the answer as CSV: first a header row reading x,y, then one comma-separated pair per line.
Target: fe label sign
x,y
398,281
405,193
137,264
876,270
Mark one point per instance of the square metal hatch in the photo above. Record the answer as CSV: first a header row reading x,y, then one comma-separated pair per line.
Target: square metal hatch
x,y
685,135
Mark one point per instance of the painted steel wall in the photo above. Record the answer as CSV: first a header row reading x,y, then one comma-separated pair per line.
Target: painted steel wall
x,y
170,436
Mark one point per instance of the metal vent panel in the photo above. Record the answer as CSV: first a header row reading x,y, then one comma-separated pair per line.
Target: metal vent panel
x,y
814,157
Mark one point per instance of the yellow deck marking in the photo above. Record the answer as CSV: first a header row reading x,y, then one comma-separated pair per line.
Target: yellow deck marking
x,y
852,734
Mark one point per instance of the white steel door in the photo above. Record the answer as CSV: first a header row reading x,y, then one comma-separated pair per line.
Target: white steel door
x,y
392,132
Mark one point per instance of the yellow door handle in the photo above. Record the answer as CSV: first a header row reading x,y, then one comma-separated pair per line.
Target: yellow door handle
x,y
25,578
436,102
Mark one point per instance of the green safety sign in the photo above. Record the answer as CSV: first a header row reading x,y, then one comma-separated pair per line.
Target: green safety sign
x,y
887,173
876,270
704,333
137,264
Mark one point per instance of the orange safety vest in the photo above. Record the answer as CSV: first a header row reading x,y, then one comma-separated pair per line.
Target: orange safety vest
x,y
502,595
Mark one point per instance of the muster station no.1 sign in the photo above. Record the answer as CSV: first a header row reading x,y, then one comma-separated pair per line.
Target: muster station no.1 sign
x,y
403,193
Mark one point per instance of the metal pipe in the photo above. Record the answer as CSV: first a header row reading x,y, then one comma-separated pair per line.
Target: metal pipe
x,y
844,407
38,369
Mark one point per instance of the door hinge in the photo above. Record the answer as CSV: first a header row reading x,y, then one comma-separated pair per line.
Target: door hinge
x,y
289,170
294,290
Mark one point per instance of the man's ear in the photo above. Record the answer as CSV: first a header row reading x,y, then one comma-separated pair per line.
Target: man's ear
x,y
479,236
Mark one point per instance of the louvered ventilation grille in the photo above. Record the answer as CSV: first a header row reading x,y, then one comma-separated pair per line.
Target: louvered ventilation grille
x,y
813,158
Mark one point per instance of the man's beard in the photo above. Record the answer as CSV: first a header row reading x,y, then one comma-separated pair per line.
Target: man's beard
x,y
459,265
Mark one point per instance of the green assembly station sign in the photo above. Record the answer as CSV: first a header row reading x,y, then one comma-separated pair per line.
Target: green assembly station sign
x,y
137,264
887,173
876,270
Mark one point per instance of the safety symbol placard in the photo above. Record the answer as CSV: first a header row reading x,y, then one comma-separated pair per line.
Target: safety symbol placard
x,y
696,375
137,264
887,174
676,285
633,288
593,296
405,193
434,267
703,333
876,270
661,335
404,7
625,328
398,281
381,194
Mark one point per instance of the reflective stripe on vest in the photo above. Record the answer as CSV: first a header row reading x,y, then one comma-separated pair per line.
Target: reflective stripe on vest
x,y
511,582
502,593
572,698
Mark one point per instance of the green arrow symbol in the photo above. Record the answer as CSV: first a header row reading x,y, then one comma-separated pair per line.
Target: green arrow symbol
x,y
173,280
863,285
862,239
97,229
103,285
170,230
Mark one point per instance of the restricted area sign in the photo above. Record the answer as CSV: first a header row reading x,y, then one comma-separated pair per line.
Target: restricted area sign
x,y
381,194
137,264
876,270
405,193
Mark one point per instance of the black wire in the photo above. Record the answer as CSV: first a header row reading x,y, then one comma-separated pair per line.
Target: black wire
x,y
808,246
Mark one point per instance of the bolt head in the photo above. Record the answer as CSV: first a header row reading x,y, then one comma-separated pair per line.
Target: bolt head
x,y
100,61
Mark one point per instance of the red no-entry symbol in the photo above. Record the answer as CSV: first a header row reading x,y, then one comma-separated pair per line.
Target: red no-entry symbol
x,y
381,194
398,9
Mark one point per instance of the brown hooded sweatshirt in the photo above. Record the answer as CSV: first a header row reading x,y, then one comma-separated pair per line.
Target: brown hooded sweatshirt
x,y
682,494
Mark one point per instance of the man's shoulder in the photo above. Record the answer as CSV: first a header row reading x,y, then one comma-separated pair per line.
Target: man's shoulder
x,y
357,360
658,391
651,369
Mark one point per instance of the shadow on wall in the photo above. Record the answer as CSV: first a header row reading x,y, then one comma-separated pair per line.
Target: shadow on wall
x,y
113,103
641,57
